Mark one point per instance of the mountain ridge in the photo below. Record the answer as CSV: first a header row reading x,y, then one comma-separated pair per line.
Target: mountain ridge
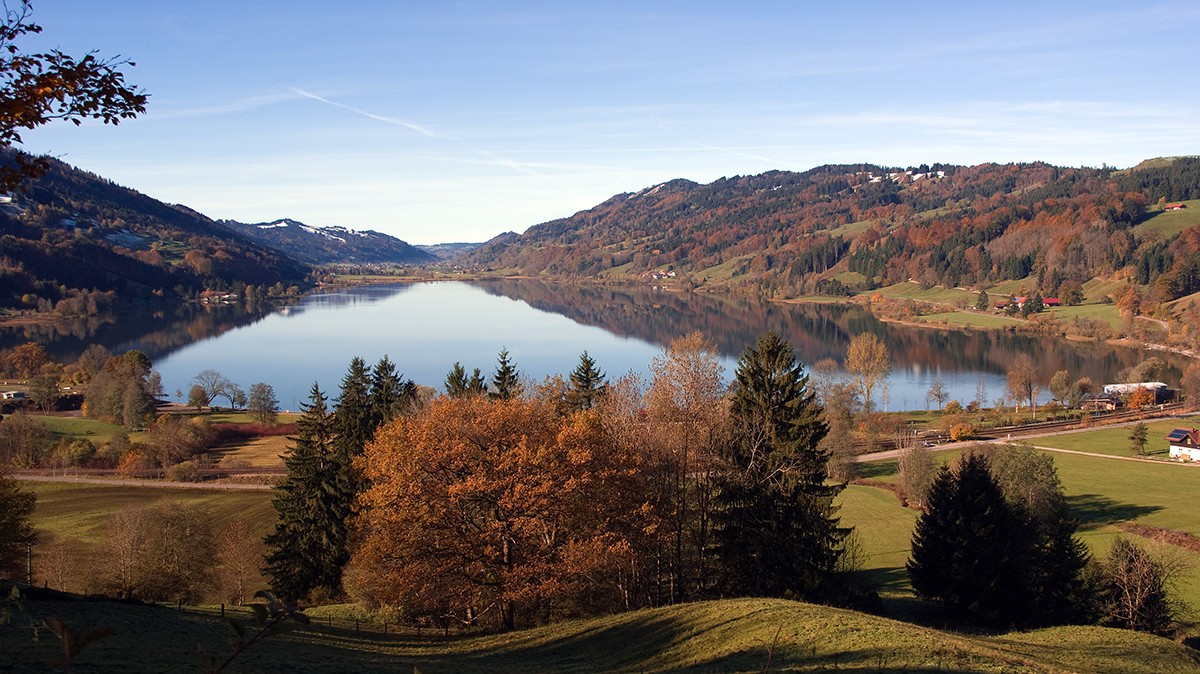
x,y
331,244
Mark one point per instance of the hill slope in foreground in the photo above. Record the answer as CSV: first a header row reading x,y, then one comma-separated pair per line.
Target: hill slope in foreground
x,y
719,636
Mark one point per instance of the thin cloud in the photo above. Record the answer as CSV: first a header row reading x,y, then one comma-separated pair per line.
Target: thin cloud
x,y
370,115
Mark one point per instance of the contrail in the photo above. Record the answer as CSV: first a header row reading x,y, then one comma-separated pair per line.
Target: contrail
x,y
370,115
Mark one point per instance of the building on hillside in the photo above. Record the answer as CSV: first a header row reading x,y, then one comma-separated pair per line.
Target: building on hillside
x,y
1101,402
1174,207
1184,444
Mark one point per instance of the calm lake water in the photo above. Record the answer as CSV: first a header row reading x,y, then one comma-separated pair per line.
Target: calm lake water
x,y
425,327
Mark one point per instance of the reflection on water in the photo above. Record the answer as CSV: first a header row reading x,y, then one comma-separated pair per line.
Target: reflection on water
x,y
426,327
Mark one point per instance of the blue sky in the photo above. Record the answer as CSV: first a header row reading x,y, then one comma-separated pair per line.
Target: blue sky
x,y
456,121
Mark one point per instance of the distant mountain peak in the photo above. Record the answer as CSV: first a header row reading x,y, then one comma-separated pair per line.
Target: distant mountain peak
x,y
331,244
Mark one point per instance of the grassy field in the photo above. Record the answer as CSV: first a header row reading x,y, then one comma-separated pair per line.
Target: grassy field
x,y
1115,441
745,635
914,291
77,427
1096,290
1169,223
79,511
971,318
1104,312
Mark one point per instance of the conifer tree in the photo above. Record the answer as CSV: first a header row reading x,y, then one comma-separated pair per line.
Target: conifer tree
x,y
306,550
506,381
456,381
777,528
477,385
970,550
391,394
586,384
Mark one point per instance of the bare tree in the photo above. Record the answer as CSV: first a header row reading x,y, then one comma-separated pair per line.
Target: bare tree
x,y
938,392
239,555
1137,592
212,384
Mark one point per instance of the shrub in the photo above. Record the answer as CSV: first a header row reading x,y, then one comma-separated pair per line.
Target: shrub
x,y
185,471
962,432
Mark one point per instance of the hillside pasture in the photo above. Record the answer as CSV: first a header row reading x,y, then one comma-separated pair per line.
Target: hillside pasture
x,y
1166,224
733,636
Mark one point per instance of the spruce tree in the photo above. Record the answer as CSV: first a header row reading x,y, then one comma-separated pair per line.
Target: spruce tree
x,y
586,384
305,548
456,381
477,385
391,393
506,381
777,529
971,550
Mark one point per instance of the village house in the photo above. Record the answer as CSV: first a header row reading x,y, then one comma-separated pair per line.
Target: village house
x,y
1184,444
1101,402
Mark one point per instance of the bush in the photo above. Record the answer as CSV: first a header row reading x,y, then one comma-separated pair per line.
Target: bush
x,y
962,432
185,471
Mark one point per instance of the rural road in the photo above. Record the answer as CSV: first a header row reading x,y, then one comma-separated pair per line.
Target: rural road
x,y
895,453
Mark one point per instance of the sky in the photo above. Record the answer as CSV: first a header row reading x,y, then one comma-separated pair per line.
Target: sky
x,y
456,121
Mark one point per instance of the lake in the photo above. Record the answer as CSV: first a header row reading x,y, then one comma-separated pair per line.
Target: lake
x,y
425,327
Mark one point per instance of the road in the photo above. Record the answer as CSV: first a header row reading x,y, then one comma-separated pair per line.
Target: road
x,y
895,453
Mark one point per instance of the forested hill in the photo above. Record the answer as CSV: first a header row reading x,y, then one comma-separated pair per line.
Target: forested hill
x,y
852,227
73,236
324,245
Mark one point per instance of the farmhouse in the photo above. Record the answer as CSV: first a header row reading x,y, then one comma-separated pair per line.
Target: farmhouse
x,y
1101,402
1174,207
1184,443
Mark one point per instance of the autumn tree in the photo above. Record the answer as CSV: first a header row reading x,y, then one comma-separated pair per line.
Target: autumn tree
x,y
24,441
122,391
868,361
17,534
688,416
1060,386
263,406
776,527
500,512
1022,380
305,551
916,472
42,87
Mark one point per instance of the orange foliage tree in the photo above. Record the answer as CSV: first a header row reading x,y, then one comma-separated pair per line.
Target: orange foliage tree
x,y
501,511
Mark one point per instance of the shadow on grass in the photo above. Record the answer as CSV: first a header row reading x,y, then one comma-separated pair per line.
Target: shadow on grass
x,y
1095,510
875,470
883,580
